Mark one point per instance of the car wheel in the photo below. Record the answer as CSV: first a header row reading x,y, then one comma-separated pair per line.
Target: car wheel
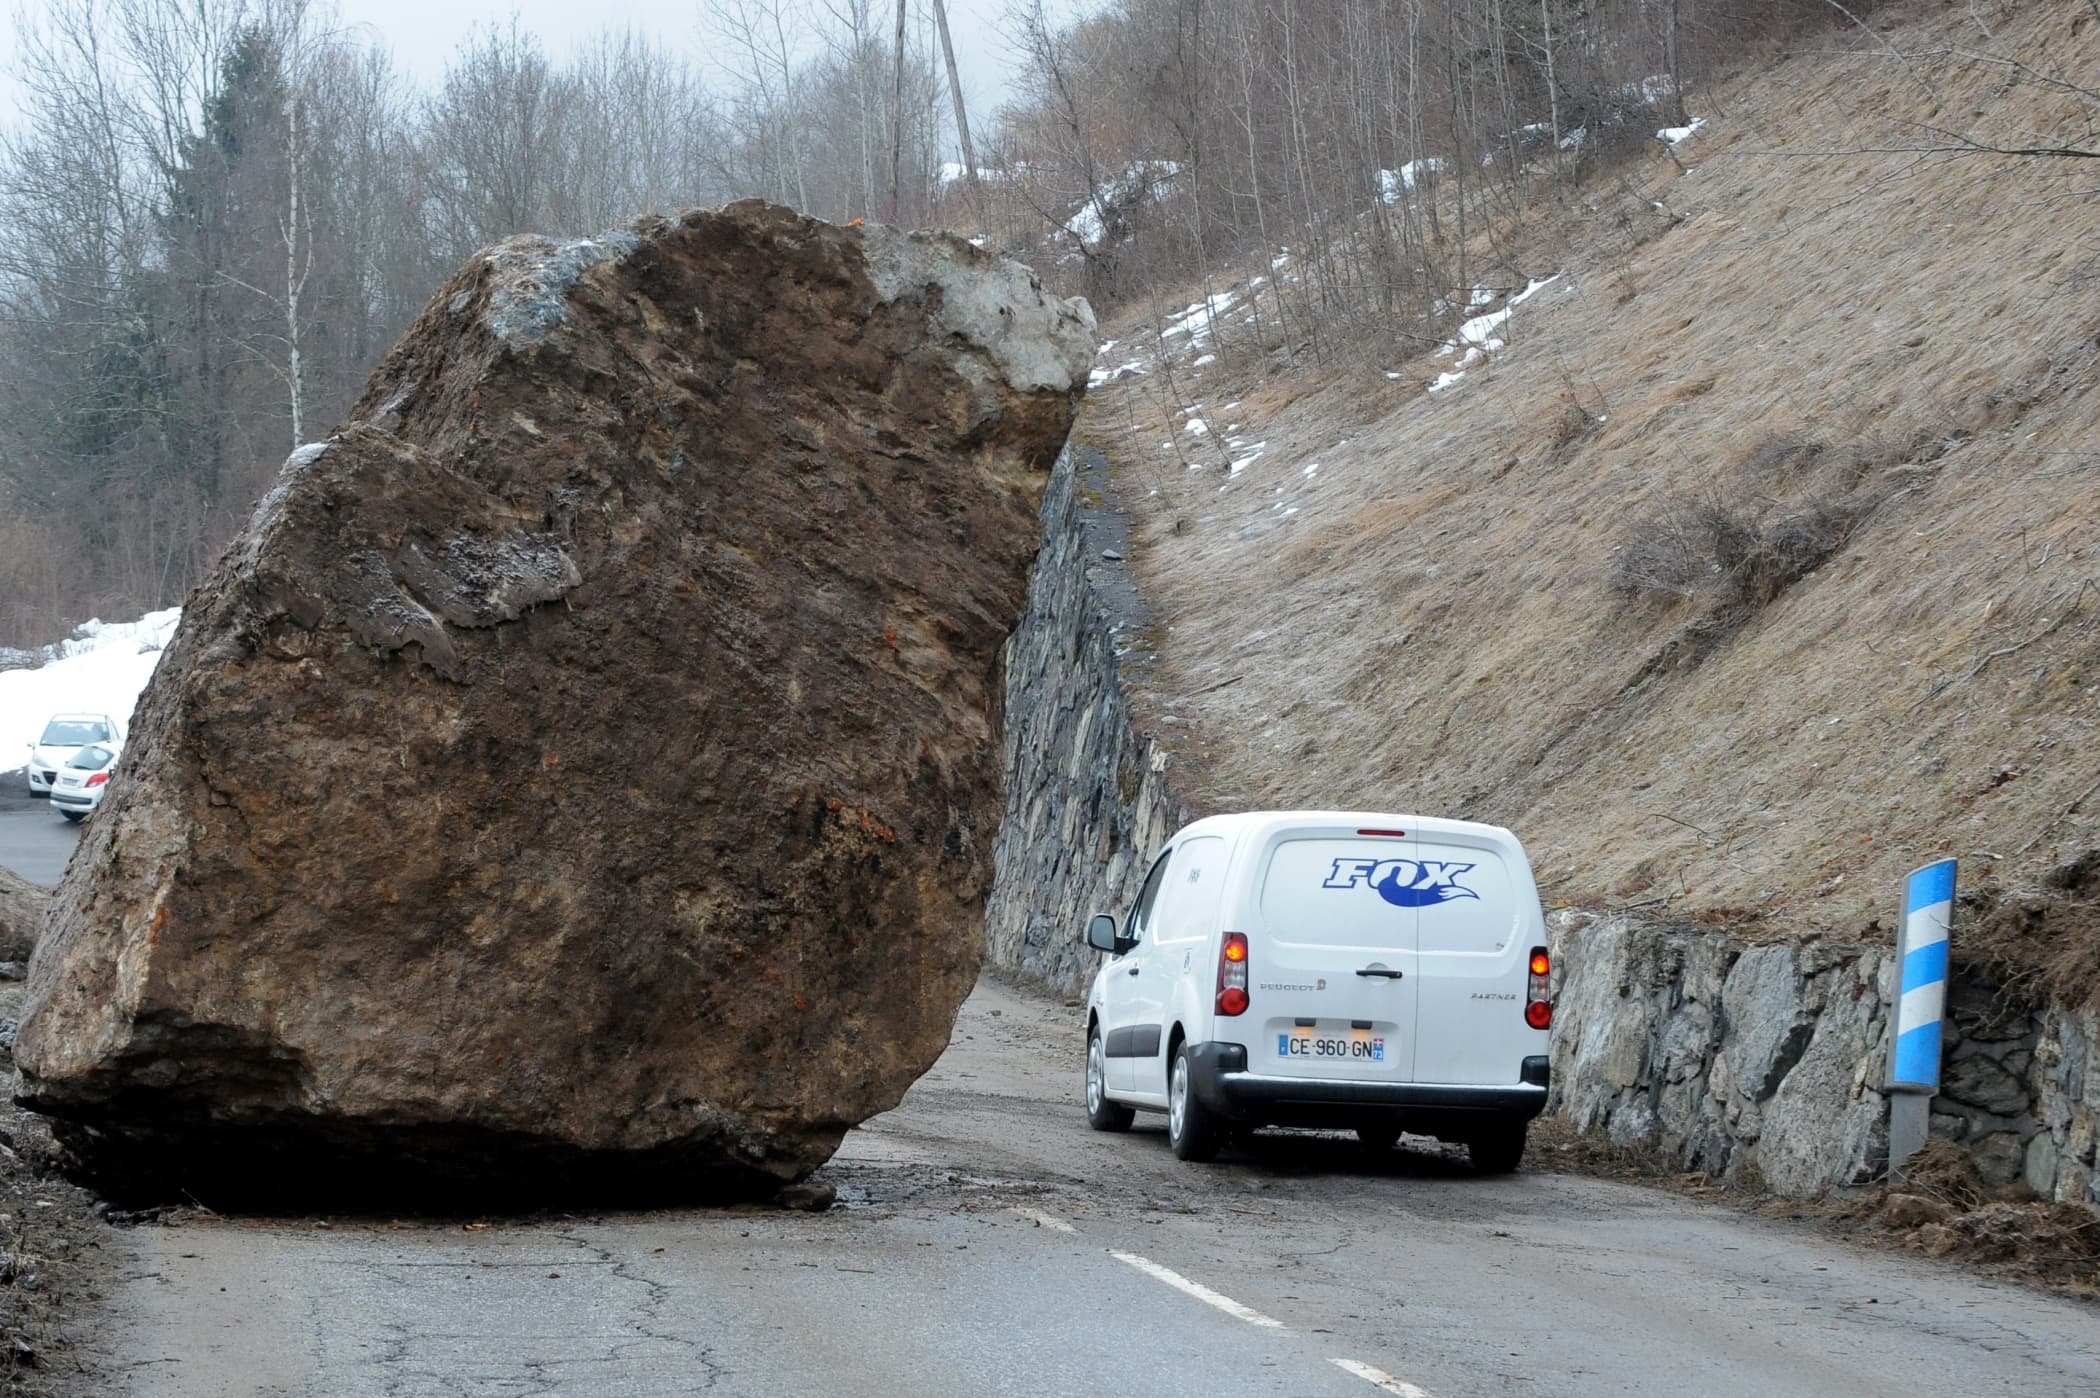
x,y
1381,1136
1497,1151
73,816
1193,1130
1102,1114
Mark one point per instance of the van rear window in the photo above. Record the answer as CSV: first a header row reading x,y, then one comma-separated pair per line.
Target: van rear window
x,y
1341,892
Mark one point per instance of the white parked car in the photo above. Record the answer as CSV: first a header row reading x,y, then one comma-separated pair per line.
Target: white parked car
x,y
1327,969
83,781
64,735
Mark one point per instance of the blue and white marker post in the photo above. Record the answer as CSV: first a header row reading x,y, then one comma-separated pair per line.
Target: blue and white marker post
x,y
1921,1004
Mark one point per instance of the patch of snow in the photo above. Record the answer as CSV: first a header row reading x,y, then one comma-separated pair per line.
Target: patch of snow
x,y
1254,454
1532,290
1196,427
100,669
1392,182
1312,468
1651,89
1574,139
1202,360
1674,135
1482,334
1392,373
1446,380
304,456
1102,376
1085,223
1195,321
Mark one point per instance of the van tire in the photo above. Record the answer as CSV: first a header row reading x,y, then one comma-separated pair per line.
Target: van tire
x,y
1193,1130
73,816
1102,1114
1498,1150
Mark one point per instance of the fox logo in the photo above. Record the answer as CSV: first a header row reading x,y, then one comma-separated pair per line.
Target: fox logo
x,y
1405,883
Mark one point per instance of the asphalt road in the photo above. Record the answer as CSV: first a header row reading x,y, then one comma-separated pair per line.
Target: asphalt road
x,y
988,1243
35,841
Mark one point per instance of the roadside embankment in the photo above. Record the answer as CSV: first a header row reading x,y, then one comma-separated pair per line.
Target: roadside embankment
x,y
1754,1059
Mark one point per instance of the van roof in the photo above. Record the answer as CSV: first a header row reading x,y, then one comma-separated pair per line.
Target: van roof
x,y
1266,822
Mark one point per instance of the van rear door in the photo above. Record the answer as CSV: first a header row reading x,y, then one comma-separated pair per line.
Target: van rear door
x,y
1332,967
1475,946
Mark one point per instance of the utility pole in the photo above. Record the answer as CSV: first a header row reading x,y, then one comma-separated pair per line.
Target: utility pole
x,y
897,120
962,120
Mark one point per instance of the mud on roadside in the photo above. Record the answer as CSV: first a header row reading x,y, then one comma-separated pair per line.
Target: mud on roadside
x,y
1942,1211
54,1252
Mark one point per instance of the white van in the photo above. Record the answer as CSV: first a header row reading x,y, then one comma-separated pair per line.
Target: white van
x,y
1332,969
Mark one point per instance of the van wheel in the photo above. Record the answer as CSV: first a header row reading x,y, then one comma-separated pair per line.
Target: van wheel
x,y
1379,1137
1498,1150
73,816
1102,1114
1193,1130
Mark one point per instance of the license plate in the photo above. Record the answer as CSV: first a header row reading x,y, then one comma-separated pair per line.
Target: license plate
x,y
68,781
1360,1044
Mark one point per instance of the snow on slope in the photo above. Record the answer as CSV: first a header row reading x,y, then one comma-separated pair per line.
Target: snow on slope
x,y
101,669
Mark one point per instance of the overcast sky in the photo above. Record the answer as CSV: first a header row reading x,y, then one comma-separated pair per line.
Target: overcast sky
x,y
423,34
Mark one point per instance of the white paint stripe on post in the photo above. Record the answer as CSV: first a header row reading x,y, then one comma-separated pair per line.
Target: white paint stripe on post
x,y
1924,1004
1924,926
1379,1378
1198,1290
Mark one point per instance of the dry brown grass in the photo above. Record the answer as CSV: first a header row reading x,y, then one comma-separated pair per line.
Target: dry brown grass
x,y
1881,368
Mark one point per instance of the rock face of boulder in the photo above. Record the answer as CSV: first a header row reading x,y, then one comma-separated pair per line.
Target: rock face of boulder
x,y
21,909
580,774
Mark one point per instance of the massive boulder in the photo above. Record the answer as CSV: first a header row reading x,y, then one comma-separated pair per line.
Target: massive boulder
x,y
579,776
21,910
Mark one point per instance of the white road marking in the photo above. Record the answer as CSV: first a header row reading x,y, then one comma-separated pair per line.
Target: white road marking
x,y
1047,1221
1198,1290
1379,1378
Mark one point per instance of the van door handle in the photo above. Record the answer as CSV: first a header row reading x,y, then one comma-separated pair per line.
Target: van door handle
x,y
1132,971
1381,971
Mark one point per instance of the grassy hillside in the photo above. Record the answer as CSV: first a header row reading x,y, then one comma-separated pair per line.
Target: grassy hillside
x,y
1759,563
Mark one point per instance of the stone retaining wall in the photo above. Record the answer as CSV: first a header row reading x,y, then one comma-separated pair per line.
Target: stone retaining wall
x,y
1728,1056
1088,797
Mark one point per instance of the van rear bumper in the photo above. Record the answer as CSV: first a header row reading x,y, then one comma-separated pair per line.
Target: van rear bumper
x,y
1221,1081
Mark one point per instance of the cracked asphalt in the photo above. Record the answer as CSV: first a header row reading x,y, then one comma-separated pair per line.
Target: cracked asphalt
x,y
987,1242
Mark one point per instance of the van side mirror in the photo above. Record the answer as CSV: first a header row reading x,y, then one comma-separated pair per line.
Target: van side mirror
x,y
1101,935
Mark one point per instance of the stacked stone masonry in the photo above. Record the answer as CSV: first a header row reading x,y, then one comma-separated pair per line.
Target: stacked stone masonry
x,y
1088,796
1730,1056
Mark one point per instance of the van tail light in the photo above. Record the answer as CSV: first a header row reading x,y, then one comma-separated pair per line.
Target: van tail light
x,y
97,779
1232,974
1538,1009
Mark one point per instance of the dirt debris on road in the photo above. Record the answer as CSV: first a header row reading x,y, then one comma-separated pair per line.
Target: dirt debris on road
x,y
55,1254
